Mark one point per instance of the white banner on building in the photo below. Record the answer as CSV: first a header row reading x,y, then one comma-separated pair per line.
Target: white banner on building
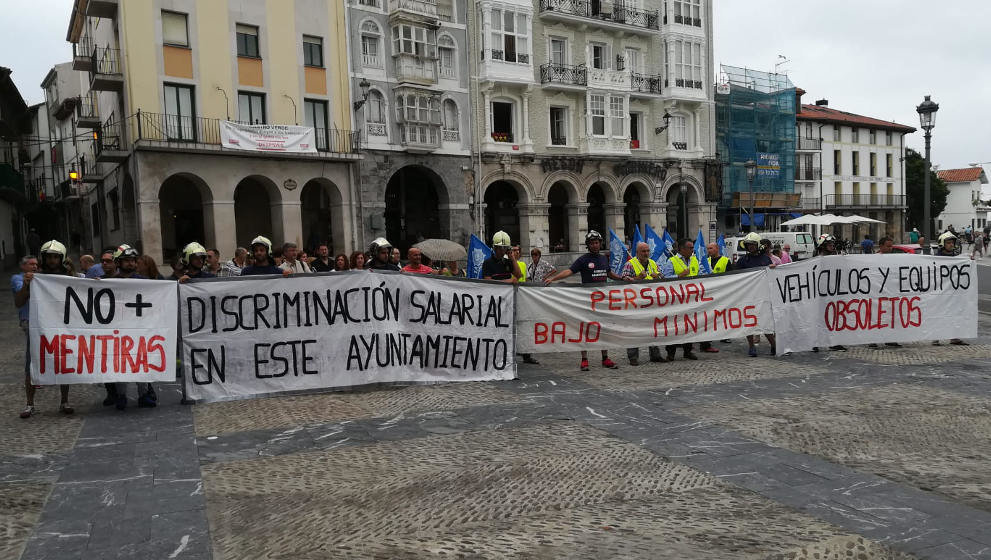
x,y
268,137
569,318
101,331
860,299
266,335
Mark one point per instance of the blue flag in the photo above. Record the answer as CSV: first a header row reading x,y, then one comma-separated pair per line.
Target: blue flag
x,y
656,244
721,241
668,244
478,251
702,254
618,253
636,240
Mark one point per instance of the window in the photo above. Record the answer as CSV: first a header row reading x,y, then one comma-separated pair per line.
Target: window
x,y
688,12
410,39
679,132
502,121
599,56
179,113
632,59
375,112
887,164
312,51
837,189
617,114
856,189
597,108
247,40
558,51
872,134
174,30
372,3
114,209
509,36
418,108
873,163
636,124
315,115
855,135
559,126
687,64
452,122
855,162
251,107
370,39
836,134
837,163
447,61
887,138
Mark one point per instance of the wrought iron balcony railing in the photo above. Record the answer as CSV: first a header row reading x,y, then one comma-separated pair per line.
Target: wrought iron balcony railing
x,y
567,74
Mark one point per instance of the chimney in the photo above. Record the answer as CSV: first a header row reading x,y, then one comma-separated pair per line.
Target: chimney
x,y
822,102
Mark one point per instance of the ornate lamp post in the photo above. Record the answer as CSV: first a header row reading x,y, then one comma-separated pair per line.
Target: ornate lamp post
x,y
927,119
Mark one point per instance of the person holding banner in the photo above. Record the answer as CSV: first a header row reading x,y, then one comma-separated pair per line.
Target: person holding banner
x,y
502,266
519,262
264,263
949,246
415,264
539,268
718,264
381,252
594,268
756,258
53,257
193,259
641,267
685,264
825,247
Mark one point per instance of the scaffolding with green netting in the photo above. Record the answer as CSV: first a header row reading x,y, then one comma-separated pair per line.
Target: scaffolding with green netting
x,y
755,120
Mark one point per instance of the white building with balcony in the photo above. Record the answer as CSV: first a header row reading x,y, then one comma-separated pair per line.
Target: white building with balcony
x,y
409,75
593,114
852,164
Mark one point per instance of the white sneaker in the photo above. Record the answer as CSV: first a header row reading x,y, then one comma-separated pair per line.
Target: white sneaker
x,y
28,411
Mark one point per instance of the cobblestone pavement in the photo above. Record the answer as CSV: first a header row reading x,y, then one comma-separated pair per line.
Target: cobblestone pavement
x,y
873,454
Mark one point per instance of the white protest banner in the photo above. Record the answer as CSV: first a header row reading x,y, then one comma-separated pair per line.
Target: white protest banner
x,y
860,299
267,137
253,336
569,318
102,331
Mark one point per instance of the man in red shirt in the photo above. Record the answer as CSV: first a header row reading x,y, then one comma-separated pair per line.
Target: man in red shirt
x,y
415,264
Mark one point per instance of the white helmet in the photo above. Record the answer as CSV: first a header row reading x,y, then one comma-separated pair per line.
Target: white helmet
x,y
125,251
55,248
752,237
501,239
193,249
379,243
825,238
262,240
945,236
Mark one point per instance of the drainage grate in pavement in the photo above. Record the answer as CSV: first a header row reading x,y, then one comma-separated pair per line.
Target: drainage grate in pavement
x,y
303,410
928,438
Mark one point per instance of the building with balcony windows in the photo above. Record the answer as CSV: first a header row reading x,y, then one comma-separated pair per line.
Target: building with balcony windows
x,y
852,164
593,114
14,130
164,74
966,204
409,75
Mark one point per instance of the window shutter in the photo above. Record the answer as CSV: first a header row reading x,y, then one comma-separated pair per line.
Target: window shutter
x,y
174,29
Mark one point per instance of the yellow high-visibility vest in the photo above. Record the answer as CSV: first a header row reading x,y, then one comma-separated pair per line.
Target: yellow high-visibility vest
x,y
522,269
652,271
678,262
720,266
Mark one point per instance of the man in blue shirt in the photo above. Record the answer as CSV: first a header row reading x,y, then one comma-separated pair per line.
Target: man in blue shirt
x,y
261,249
194,258
755,258
594,268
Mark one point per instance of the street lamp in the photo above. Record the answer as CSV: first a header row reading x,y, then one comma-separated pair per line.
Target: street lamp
x,y
365,86
751,167
927,119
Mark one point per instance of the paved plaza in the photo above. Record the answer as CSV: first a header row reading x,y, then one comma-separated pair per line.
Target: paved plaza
x,y
869,454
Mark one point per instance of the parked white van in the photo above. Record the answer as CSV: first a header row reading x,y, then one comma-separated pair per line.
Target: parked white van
x,y
802,243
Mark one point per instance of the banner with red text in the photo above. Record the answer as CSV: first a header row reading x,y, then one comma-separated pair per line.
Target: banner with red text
x,y
861,299
260,335
101,331
268,137
566,318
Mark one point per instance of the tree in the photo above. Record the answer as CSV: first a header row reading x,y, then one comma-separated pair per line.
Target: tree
x,y
915,166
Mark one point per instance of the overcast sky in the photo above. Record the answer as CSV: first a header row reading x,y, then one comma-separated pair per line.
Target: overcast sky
x,y
876,58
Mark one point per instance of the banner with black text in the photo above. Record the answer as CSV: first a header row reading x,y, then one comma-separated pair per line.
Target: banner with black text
x,y
255,336
861,299
102,331
566,318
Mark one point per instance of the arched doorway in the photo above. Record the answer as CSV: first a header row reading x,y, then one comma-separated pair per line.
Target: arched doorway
x,y
253,211
597,209
501,213
631,211
557,216
180,201
680,198
323,221
412,207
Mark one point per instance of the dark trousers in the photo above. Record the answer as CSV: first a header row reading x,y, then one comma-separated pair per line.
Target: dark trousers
x,y
671,348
